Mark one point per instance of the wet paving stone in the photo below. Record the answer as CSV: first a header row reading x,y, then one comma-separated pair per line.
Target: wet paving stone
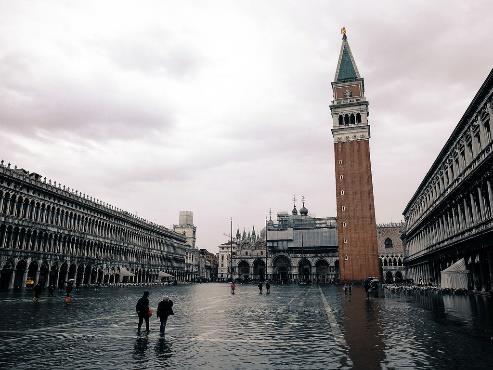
x,y
306,327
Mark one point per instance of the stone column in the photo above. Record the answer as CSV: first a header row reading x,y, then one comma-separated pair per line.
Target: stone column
x,y
490,196
38,271
460,217
12,279
82,276
482,273
466,213
489,256
66,276
47,283
474,209
24,277
481,204
75,274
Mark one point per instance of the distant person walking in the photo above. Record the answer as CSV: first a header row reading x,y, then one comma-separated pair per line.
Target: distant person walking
x,y
164,309
267,287
260,286
69,288
142,309
233,287
51,290
366,285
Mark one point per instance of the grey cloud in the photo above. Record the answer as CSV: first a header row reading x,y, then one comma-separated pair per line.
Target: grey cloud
x,y
93,108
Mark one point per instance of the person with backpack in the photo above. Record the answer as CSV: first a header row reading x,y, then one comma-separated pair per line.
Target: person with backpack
x,y
142,309
164,309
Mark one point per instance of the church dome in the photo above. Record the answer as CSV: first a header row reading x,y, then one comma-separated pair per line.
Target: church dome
x,y
303,210
295,211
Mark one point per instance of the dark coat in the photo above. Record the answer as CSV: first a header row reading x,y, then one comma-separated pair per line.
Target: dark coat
x,y
165,308
142,306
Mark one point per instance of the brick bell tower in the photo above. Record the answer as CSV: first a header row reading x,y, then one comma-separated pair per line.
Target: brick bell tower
x,y
356,226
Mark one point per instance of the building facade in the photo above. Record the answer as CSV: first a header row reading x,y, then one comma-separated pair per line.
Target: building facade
x,y
391,252
50,233
208,267
302,248
358,252
295,248
449,219
187,228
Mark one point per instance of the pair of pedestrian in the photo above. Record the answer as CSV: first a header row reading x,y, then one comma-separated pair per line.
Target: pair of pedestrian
x,y
164,310
267,287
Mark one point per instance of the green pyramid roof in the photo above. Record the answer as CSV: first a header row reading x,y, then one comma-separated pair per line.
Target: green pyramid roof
x,y
346,68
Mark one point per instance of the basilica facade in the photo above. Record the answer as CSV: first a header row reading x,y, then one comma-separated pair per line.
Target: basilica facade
x,y
295,248
51,234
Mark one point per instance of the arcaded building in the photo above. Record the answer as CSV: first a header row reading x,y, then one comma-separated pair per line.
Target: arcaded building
x,y
391,251
449,219
50,233
357,235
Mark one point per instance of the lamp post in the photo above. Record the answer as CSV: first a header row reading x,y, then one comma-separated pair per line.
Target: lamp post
x,y
266,249
231,249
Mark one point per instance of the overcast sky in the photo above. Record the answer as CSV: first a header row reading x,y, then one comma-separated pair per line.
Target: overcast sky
x,y
222,108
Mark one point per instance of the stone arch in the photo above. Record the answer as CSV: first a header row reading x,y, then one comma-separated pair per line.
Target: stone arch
x,y
6,274
259,269
398,277
389,279
352,119
304,270
243,269
281,268
322,271
358,118
54,274
32,270
62,275
341,120
44,272
79,279
20,270
346,119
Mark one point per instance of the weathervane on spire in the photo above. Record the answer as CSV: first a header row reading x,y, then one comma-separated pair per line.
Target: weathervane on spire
x,y
343,32
294,199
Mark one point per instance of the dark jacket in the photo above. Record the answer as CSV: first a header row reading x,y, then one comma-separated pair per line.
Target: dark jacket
x,y
165,308
142,306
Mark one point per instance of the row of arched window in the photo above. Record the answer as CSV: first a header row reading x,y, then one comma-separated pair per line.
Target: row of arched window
x,y
349,119
80,220
19,238
391,261
470,142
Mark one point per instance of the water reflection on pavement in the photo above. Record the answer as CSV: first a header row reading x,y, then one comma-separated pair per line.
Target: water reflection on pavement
x,y
307,327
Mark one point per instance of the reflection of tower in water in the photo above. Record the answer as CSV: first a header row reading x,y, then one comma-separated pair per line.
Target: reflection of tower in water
x,y
362,330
